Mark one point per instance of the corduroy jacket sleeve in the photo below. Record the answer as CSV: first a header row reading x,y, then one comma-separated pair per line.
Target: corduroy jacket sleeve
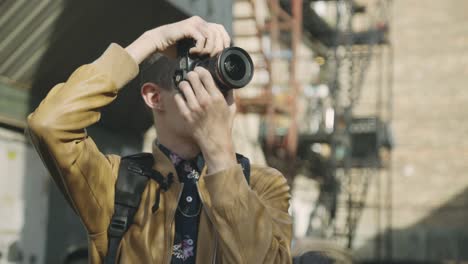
x,y
57,129
252,222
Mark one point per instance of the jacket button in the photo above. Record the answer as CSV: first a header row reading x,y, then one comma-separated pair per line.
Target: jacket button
x,y
189,199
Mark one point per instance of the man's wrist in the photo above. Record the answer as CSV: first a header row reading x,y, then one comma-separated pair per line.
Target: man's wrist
x,y
141,48
218,164
219,158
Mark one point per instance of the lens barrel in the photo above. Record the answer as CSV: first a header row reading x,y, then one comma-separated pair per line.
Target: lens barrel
x,y
231,69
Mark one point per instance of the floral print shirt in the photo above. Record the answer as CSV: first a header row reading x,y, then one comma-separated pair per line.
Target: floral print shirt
x,y
189,208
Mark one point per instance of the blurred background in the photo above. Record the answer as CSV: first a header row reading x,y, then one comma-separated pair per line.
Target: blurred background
x,y
360,103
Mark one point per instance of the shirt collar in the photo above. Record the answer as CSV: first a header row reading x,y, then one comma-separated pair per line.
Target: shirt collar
x,y
176,160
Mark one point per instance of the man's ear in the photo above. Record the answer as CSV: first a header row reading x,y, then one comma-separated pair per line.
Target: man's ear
x,y
151,94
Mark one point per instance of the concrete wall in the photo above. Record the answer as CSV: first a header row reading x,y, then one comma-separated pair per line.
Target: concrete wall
x,y
218,11
23,200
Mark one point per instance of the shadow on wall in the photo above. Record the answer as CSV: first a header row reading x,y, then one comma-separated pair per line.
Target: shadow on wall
x,y
83,31
441,236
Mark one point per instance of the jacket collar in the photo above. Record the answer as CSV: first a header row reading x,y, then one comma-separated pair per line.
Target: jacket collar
x,y
162,163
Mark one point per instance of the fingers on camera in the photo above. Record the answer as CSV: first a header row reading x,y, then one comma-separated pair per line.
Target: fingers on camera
x,y
218,39
200,41
197,86
226,40
210,38
195,30
207,81
210,44
191,102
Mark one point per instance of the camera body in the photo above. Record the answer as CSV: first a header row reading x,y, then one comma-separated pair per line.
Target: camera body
x,y
231,69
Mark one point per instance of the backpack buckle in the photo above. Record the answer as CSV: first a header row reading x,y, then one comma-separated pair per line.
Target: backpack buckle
x,y
118,226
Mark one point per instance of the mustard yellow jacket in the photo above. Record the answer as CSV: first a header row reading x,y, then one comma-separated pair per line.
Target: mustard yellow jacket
x,y
238,224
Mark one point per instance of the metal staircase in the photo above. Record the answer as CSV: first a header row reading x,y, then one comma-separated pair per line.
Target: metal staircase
x,y
272,31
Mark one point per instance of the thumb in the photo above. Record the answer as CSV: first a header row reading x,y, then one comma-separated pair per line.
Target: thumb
x,y
230,97
231,102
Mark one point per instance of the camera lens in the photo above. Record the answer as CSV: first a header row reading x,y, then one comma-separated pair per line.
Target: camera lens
x,y
234,66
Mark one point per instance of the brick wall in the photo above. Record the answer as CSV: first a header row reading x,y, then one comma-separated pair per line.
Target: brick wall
x,y
430,172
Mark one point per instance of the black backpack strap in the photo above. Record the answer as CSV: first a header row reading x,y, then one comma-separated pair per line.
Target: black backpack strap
x,y
245,163
134,173
131,183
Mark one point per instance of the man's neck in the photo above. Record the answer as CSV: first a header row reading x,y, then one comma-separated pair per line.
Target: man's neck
x,y
186,148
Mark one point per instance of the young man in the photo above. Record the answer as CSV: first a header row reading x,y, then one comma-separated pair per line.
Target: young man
x,y
210,214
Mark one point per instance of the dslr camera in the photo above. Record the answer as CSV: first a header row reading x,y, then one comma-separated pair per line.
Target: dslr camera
x,y
231,69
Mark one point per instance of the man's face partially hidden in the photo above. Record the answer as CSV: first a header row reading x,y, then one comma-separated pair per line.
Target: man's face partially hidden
x,y
167,106
170,118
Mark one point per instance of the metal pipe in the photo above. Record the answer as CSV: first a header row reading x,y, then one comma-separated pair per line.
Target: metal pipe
x,y
389,205
274,42
296,7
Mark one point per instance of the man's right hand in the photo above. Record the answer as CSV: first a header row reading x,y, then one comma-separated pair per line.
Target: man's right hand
x,y
210,39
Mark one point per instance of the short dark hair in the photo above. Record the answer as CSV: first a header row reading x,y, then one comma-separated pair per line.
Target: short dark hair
x,y
158,69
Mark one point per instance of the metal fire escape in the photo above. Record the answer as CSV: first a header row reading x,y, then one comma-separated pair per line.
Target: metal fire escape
x,y
360,144
278,38
349,150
